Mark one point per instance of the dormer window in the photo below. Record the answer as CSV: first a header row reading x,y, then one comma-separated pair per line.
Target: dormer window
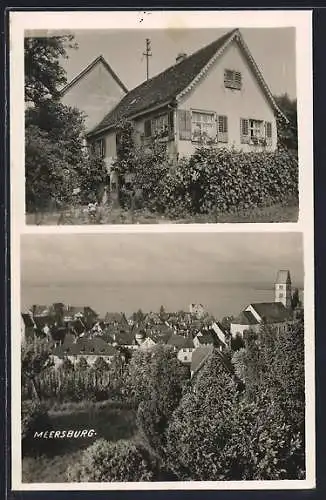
x,y
232,79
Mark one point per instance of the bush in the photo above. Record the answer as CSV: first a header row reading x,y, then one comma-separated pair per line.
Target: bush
x,y
34,417
220,181
105,461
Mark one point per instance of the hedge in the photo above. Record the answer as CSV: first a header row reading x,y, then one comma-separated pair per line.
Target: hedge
x,y
219,181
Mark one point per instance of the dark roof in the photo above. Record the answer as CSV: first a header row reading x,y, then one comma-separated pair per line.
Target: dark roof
x,y
84,346
180,341
28,320
115,317
99,59
283,277
272,312
166,86
163,87
245,318
206,338
42,321
199,356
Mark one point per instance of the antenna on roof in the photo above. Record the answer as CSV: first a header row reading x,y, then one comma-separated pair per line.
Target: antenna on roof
x,y
147,54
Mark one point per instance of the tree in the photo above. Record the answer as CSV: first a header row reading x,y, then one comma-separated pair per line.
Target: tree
x,y
156,379
287,132
219,433
202,425
81,364
107,461
44,74
100,365
295,301
138,317
35,359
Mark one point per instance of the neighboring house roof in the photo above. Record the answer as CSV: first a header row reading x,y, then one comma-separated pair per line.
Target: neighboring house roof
x,y
40,310
171,84
245,318
199,356
180,342
88,69
124,337
28,320
283,277
86,346
41,321
115,317
272,312
206,338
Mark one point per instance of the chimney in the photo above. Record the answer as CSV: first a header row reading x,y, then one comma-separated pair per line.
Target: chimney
x,y
180,57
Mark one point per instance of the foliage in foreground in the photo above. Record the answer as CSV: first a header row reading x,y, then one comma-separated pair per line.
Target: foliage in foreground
x,y
107,461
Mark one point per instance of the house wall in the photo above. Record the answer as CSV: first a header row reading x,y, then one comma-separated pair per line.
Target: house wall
x,y
185,354
211,95
96,93
237,328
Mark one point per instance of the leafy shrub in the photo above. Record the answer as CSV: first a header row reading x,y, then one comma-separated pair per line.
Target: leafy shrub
x,y
34,416
108,461
219,181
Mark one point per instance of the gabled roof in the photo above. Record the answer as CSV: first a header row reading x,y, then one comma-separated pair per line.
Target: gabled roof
x,y
28,320
272,312
115,317
170,85
88,69
245,318
206,338
199,356
283,277
180,341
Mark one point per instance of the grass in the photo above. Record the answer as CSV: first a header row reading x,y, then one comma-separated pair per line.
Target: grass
x,y
109,421
287,212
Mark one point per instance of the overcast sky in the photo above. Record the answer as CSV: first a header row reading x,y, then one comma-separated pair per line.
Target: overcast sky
x,y
160,258
272,48
125,272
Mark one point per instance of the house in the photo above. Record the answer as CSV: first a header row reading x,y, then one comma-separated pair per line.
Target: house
x,y
216,95
197,310
278,313
94,91
89,349
254,315
220,332
115,319
184,346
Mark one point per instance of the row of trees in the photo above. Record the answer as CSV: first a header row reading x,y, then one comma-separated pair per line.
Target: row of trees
x,y
223,425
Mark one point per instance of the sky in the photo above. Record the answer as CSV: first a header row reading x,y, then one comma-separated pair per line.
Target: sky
x,y
272,48
178,262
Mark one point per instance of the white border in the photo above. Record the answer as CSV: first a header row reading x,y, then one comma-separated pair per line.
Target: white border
x,y
302,21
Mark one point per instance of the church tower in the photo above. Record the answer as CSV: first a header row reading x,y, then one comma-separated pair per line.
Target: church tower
x,y
283,288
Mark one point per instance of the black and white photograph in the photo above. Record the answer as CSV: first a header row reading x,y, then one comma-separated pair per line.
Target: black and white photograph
x,y
161,251
126,126
167,358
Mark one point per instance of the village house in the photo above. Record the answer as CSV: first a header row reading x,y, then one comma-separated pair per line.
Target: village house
x,y
94,91
89,349
183,346
277,314
215,96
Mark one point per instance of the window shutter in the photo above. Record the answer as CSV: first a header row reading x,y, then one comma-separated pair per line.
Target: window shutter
x,y
268,133
222,128
244,130
184,125
171,124
147,128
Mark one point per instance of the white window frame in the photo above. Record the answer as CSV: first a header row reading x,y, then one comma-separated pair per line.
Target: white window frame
x,y
201,123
